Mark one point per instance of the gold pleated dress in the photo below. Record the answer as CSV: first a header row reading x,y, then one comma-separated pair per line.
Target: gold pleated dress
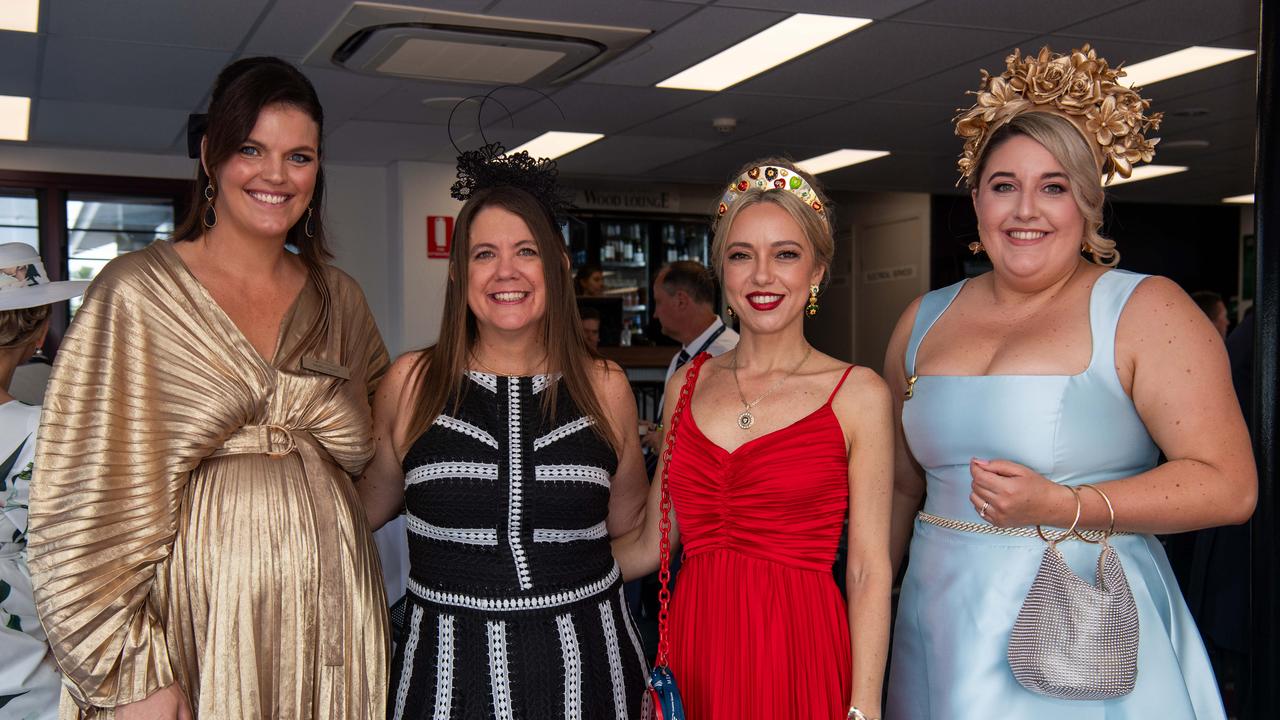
x,y
193,518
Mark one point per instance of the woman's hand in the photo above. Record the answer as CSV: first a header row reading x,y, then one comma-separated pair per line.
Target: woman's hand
x,y
1007,494
167,703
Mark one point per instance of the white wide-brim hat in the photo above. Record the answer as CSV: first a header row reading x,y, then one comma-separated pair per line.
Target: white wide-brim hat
x,y
24,283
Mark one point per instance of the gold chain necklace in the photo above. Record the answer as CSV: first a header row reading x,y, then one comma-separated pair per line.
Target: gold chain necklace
x,y
745,418
476,359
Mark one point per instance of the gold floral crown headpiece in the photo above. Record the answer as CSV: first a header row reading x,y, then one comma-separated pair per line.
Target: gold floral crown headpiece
x,y
771,177
1078,86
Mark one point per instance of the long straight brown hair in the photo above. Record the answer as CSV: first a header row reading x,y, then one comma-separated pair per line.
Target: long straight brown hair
x,y
438,371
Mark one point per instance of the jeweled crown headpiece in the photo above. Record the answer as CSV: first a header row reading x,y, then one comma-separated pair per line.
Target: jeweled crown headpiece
x,y
1079,86
771,177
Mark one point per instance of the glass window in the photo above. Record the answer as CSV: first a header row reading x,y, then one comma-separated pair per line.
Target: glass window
x,y
100,227
19,217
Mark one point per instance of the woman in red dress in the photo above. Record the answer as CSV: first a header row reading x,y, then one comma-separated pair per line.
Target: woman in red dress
x,y
775,447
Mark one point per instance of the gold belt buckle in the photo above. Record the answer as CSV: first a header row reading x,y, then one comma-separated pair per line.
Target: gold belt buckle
x,y
274,432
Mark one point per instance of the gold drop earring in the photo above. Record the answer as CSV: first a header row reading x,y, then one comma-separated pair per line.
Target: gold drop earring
x,y
812,308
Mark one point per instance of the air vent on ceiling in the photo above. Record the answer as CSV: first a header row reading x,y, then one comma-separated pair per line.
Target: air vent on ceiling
x,y
460,47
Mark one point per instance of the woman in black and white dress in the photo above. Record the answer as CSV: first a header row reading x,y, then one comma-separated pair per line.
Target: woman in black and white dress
x,y
513,451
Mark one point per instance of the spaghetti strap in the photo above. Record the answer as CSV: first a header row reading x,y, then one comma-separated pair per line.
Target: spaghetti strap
x,y
839,384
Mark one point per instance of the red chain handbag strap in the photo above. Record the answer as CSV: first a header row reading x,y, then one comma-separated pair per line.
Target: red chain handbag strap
x,y
664,522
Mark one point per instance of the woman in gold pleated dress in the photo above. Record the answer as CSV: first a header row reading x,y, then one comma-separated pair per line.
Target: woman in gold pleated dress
x,y
196,543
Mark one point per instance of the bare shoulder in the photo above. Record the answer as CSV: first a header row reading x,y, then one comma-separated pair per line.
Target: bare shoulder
x,y
609,378
1159,308
403,373
863,390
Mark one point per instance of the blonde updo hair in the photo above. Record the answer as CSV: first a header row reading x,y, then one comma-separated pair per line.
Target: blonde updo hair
x,y
817,228
19,327
1065,143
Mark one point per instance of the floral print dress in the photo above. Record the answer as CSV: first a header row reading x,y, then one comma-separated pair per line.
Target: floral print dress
x,y
28,675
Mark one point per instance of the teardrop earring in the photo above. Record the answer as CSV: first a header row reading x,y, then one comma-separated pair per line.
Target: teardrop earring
x,y
210,215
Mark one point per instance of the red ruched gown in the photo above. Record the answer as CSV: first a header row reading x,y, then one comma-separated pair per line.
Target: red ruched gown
x,y
759,628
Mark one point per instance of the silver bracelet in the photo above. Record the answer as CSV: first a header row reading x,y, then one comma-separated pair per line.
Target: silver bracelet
x,y
856,714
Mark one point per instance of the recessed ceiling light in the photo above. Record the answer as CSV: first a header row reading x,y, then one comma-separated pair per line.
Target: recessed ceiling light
x,y
1239,199
768,48
553,144
1178,63
15,114
1146,172
838,159
20,15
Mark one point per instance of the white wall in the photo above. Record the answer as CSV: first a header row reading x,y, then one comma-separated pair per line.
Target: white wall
x,y
416,190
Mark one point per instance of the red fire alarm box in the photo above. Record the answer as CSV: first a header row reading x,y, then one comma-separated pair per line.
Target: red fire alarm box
x,y
439,230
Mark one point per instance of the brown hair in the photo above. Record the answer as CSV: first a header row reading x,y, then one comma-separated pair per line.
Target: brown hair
x,y
18,327
241,91
1065,143
816,227
439,369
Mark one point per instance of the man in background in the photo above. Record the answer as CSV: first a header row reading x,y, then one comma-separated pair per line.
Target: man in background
x,y
684,300
1211,303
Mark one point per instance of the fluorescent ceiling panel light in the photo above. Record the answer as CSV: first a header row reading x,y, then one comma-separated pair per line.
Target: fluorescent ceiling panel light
x,y
1178,63
1146,172
838,159
555,143
768,48
15,114
1239,199
20,15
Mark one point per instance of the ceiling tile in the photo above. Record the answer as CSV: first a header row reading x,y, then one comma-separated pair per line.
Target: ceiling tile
x,y
871,60
869,125
650,14
219,25
1035,17
628,155
345,94
696,38
98,125
1185,23
602,108
755,114
363,142
431,102
873,9
127,73
19,56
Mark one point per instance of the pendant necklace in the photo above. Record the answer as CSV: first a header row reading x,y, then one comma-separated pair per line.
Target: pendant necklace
x,y
745,418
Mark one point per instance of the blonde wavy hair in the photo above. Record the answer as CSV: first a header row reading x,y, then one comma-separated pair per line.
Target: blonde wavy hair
x,y
19,327
1065,143
817,227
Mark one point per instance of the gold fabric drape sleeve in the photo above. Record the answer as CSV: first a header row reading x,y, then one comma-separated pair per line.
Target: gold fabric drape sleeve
x,y
127,416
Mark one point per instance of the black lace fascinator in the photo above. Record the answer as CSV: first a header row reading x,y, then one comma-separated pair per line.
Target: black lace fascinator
x,y
492,166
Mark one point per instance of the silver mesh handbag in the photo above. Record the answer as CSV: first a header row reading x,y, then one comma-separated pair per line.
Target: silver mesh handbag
x,y
1075,640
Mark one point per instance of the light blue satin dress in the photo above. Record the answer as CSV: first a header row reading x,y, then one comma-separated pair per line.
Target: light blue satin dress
x,y
963,590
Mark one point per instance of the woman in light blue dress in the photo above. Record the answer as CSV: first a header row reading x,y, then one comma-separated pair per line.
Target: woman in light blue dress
x,y
1053,370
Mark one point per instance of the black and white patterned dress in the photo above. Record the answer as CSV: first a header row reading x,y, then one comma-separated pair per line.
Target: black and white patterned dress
x,y
515,606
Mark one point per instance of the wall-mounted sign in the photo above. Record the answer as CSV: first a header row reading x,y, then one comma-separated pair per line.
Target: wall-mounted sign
x,y
902,272
627,200
439,230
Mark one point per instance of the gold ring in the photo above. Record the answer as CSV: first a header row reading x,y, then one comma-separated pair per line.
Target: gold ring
x,y
983,512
